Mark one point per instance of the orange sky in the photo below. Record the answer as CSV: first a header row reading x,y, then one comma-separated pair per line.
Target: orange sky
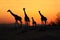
x,y
48,8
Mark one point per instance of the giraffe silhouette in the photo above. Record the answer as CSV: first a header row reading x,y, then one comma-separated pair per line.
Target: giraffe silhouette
x,y
33,22
26,18
43,18
17,18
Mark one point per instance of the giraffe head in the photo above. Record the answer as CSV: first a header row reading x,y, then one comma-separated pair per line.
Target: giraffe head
x,y
23,8
39,11
8,10
32,17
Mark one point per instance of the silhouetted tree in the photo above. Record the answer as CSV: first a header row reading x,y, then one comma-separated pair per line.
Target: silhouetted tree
x,y
58,19
52,23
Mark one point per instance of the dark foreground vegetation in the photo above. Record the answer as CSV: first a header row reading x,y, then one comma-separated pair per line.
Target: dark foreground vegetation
x,y
24,32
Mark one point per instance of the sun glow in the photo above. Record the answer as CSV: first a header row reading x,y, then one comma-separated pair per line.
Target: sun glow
x,y
48,8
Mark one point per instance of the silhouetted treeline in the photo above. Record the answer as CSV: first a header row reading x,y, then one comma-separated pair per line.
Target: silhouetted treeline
x,y
58,19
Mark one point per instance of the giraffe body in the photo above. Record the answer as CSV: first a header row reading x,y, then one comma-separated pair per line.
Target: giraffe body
x,y
17,18
33,22
43,18
26,17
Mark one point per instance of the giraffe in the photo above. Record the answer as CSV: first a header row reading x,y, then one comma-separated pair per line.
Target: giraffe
x,y
33,22
17,18
43,18
26,18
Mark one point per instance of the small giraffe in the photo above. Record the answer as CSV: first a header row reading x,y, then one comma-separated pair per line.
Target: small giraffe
x,y
26,18
15,16
33,22
42,17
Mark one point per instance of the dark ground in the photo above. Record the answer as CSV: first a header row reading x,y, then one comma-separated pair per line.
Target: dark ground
x,y
39,32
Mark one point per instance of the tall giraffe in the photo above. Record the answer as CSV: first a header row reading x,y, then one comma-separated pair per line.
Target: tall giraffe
x,y
43,18
33,22
17,18
26,18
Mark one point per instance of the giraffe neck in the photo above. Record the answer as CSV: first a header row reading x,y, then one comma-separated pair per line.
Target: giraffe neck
x,y
25,13
32,19
12,13
41,15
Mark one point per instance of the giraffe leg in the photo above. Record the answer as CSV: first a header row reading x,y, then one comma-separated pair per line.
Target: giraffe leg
x,y
15,22
41,22
35,24
27,23
21,22
45,21
20,25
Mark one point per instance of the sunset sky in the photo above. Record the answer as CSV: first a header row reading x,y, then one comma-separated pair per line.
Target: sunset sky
x,y
48,8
